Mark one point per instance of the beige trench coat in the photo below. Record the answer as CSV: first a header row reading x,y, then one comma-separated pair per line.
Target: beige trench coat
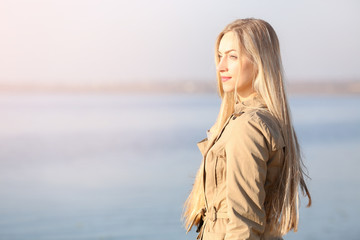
x,y
240,167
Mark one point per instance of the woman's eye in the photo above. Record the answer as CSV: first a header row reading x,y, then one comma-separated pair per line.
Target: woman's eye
x,y
233,57
219,56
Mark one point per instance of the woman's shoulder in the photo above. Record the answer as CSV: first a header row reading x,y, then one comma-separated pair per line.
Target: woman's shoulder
x,y
264,123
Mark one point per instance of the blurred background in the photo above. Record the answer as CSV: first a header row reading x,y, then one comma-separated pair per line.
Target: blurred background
x,y
102,103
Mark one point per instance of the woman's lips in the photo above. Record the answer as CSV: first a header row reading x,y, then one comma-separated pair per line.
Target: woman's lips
x,y
224,79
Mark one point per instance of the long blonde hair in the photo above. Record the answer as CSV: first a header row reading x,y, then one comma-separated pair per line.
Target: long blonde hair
x,y
258,40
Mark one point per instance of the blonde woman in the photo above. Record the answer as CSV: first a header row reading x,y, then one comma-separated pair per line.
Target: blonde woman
x,y
248,184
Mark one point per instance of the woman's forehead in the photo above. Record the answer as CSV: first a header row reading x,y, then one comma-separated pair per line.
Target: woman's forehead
x,y
228,42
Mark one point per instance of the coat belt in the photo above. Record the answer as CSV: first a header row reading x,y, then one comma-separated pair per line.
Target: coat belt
x,y
210,214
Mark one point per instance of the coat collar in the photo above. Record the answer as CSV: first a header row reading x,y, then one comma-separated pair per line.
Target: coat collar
x,y
253,102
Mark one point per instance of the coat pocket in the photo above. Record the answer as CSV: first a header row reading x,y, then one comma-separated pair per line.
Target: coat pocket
x,y
220,169
213,236
216,230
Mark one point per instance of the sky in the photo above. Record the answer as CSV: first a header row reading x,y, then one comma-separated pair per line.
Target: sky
x,y
90,41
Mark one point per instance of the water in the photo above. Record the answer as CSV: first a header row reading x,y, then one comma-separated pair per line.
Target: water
x,y
94,166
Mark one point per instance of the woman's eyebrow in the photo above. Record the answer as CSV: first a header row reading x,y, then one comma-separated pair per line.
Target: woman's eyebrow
x,y
227,51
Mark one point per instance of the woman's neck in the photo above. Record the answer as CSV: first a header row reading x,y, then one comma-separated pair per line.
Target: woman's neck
x,y
247,97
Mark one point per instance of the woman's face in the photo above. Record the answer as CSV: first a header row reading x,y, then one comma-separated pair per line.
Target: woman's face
x,y
234,66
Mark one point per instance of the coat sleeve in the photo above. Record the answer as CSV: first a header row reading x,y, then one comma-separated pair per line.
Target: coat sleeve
x,y
247,154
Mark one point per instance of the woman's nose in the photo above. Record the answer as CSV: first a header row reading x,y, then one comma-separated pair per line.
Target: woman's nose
x,y
222,66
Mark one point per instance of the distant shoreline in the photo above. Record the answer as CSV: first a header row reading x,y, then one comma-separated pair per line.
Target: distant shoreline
x,y
294,88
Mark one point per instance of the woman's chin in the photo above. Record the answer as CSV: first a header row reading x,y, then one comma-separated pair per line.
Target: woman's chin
x,y
228,89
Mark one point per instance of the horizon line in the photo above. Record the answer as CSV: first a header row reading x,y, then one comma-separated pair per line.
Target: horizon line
x,y
294,87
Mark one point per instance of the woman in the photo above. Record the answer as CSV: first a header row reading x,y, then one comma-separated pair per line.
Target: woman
x,y
247,186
